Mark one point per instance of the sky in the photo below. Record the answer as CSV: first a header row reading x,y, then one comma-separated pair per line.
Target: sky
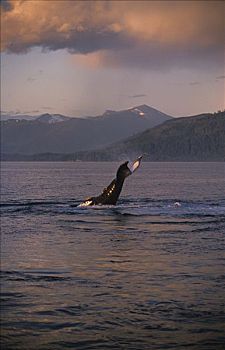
x,y
80,58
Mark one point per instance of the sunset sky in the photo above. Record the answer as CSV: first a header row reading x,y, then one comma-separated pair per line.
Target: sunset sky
x,y
80,58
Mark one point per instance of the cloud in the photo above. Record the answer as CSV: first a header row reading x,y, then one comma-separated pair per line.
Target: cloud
x,y
47,108
76,26
147,34
193,83
220,77
138,96
6,5
31,79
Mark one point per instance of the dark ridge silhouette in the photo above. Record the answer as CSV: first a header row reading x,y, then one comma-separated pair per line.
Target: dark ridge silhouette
x,y
60,134
196,138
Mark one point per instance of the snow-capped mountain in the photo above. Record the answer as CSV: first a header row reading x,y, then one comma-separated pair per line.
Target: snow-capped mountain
x,y
143,111
146,111
51,118
57,133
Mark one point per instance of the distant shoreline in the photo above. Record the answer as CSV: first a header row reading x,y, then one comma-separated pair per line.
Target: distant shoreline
x,y
5,160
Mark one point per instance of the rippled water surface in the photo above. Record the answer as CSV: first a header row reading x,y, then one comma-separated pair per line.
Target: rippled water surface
x,y
145,274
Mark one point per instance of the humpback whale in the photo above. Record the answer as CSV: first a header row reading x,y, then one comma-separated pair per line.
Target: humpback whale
x,y
110,194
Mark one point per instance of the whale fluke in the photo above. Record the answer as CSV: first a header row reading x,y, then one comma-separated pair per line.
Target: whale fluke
x,y
110,194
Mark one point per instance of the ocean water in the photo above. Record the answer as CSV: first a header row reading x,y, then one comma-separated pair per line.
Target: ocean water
x,y
145,274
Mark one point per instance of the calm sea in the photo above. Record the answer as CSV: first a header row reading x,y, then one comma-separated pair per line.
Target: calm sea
x,y
145,274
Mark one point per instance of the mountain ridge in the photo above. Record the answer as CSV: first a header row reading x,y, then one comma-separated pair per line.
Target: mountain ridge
x,y
196,138
60,134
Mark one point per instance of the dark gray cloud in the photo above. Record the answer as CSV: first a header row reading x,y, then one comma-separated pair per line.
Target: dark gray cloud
x,y
75,42
89,41
193,83
138,96
220,77
6,5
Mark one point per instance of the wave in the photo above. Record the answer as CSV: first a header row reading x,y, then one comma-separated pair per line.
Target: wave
x,y
128,207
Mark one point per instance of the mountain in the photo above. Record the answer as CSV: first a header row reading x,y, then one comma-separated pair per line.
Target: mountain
x,y
60,134
143,111
51,118
197,138
45,118
7,116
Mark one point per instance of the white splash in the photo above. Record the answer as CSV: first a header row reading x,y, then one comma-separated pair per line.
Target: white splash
x,y
85,204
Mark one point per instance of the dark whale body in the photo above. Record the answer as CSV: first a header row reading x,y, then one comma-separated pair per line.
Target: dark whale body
x,y
110,195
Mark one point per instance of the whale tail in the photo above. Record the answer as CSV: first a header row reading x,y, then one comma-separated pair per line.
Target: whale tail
x,y
110,194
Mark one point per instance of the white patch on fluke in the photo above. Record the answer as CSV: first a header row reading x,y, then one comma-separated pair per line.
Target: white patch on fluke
x,y
135,165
